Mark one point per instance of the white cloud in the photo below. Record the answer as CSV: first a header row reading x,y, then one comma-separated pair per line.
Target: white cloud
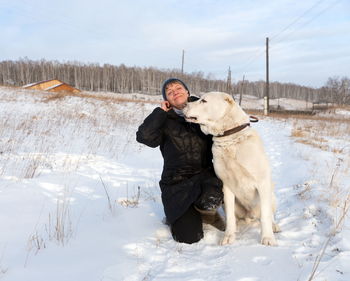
x,y
214,34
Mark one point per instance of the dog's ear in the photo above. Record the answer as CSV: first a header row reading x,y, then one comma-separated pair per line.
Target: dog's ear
x,y
229,100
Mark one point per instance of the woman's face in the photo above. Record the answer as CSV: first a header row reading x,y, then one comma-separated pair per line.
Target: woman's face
x,y
176,95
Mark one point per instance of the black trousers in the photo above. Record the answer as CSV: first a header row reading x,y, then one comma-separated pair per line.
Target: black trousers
x,y
188,228
204,190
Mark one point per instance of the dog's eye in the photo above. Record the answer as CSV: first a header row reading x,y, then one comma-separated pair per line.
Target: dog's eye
x,y
203,101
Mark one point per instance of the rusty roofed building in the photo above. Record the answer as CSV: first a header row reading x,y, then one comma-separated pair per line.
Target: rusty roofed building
x,y
53,85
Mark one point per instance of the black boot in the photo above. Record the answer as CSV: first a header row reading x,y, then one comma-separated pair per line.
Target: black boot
x,y
213,218
211,196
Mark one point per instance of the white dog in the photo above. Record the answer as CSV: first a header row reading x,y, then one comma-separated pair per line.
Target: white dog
x,y
239,161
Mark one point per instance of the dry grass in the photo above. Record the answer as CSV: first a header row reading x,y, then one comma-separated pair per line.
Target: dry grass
x,y
36,243
97,125
334,231
334,196
31,168
316,130
111,206
132,201
32,141
337,203
304,194
327,116
329,133
100,97
340,202
60,226
317,133
57,134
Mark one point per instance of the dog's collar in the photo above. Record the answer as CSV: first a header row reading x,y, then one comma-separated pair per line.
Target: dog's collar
x,y
234,130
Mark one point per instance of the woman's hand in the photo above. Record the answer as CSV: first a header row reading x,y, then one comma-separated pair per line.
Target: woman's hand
x,y
165,105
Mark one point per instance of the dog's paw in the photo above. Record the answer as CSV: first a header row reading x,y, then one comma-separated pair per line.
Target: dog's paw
x,y
276,228
269,241
228,239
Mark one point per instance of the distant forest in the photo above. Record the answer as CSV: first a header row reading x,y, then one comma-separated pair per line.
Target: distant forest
x,y
148,80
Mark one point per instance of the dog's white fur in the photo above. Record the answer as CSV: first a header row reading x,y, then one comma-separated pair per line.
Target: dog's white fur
x,y
239,161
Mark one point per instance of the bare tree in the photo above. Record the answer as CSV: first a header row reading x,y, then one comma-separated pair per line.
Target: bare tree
x,y
148,80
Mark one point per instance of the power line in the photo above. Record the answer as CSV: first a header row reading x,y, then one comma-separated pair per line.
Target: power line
x,y
262,51
310,20
297,19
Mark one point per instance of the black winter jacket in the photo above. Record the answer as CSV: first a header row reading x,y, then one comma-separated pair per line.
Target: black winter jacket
x,y
187,158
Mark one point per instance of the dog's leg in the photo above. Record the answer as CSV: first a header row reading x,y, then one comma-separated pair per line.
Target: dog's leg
x,y
229,202
267,236
275,226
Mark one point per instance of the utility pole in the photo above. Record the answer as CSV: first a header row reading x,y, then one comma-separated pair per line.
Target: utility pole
x,y
267,90
228,82
183,60
346,91
241,91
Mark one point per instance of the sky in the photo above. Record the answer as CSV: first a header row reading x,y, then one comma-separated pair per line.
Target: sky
x,y
309,39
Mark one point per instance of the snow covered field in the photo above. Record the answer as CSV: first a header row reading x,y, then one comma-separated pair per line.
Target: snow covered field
x,y
79,199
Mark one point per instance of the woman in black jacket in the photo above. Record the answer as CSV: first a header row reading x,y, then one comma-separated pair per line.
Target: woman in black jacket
x,y
191,192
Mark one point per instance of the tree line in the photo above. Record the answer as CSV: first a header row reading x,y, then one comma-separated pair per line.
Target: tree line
x,y
148,80
93,77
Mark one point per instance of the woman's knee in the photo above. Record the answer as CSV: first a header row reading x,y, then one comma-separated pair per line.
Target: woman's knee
x,y
212,195
188,228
